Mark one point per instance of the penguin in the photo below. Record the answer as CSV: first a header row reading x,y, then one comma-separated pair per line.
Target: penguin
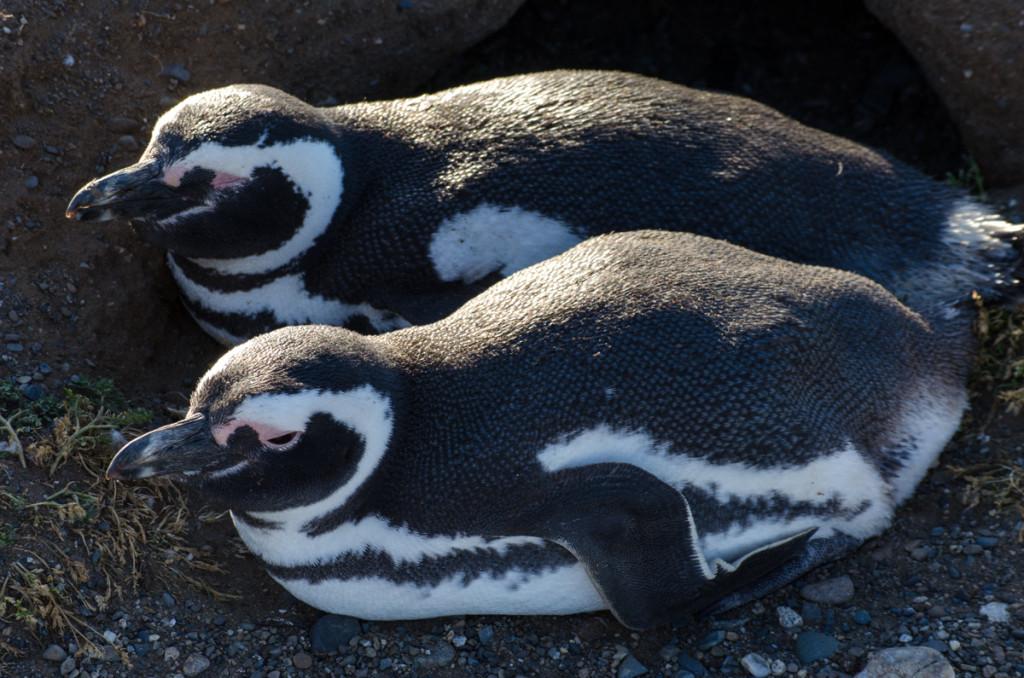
x,y
656,423
380,215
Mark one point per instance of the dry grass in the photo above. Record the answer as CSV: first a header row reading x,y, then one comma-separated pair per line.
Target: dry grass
x,y
91,543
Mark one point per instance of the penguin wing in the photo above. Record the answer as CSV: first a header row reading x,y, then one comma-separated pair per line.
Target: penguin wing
x,y
637,538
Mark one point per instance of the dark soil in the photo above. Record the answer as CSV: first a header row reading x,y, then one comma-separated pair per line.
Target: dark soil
x,y
92,300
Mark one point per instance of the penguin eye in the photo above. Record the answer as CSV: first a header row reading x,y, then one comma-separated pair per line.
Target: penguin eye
x,y
284,441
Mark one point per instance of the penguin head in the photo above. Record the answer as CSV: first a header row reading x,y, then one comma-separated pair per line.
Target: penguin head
x,y
290,419
241,172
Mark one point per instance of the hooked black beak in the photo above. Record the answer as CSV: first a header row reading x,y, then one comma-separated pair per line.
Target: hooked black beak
x,y
138,191
184,448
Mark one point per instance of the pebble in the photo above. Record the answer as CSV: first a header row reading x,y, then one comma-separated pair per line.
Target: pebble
x,y
55,653
915,662
996,612
756,665
172,654
24,141
67,666
862,617
812,646
32,182
709,640
837,590
128,142
442,654
119,124
788,617
485,635
195,664
333,632
302,661
630,668
691,665
176,70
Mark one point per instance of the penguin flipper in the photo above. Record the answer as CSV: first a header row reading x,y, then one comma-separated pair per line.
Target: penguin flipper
x,y
815,553
636,537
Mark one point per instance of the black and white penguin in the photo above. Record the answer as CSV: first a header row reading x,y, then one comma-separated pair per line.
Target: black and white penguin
x,y
653,422
378,215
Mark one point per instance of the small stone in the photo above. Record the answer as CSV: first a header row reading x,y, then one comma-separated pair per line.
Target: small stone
x,y
862,617
302,661
812,646
756,665
996,612
168,599
332,632
32,182
194,665
691,665
176,70
630,668
172,654
788,617
986,542
109,636
907,662
119,124
709,640
837,590
485,635
24,141
55,653
669,653
442,654
15,347
954,645
67,666
128,142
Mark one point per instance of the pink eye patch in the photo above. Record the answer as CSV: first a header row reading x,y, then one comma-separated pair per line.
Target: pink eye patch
x,y
270,436
174,173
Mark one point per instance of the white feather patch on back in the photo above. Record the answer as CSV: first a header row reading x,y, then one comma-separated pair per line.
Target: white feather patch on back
x,y
490,239
844,476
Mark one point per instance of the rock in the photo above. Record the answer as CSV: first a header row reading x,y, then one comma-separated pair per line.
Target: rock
x,y
691,665
128,142
194,665
24,141
907,662
788,617
832,591
709,640
485,635
55,653
176,70
812,646
970,52
332,632
119,124
630,668
756,665
996,612
67,666
302,661
441,655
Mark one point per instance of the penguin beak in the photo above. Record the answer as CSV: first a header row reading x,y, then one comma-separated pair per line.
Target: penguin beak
x,y
184,448
138,191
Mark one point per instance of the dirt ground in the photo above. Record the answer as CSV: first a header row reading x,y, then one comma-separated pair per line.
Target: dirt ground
x,y
82,83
